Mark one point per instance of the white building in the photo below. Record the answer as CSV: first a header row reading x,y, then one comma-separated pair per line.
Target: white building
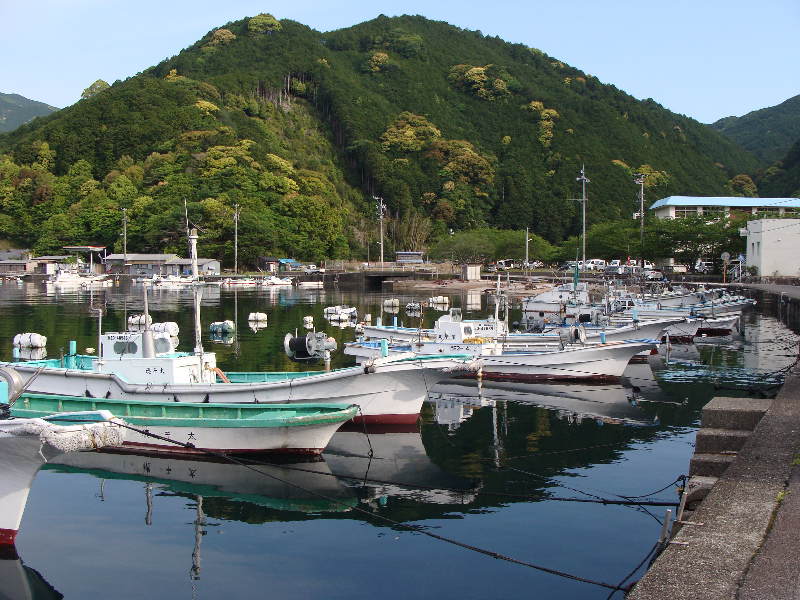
x,y
773,247
715,206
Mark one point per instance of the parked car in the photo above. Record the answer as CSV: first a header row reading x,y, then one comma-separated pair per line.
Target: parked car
x,y
654,275
703,266
595,264
312,268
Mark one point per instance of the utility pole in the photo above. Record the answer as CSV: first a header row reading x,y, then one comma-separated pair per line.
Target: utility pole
x,y
124,239
638,179
236,238
381,208
527,239
584,180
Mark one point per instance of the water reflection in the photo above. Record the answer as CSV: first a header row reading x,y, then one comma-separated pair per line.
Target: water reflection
x,y
297,487
20,582
483,466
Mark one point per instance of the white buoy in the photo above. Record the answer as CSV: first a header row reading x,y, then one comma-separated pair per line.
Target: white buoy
x,y
139,320
30,340
169,327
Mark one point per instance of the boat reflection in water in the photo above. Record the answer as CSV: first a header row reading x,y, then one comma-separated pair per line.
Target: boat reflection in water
x,y
399,466
20,582
297,486
456,399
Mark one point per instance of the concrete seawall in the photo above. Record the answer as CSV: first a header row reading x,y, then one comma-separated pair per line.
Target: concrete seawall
x,y
742,540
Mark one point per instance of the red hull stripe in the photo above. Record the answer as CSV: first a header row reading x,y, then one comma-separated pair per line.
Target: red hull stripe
x,y
7,537
387,419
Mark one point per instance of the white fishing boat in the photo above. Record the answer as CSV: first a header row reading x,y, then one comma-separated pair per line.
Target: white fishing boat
x,y
73,279
26,444
272,280
387,390
601,361
241,282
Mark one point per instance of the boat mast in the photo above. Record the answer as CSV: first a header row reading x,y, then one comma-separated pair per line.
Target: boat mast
x,y
148,343
638,179
198,332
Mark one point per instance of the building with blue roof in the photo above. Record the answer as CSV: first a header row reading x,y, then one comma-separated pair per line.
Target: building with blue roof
x,y
714,206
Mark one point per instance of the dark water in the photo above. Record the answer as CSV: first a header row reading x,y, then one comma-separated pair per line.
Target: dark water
x,y
487,467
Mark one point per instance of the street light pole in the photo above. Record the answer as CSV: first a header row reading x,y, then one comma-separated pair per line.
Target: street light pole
x,y
638,179
584,180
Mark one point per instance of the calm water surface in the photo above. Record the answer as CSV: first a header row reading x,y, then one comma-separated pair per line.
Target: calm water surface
x,y
487,466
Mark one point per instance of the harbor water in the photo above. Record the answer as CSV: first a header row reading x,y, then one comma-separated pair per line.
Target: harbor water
x,y
546,475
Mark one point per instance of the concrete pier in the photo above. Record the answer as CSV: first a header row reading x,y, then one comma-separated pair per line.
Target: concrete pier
x,y
742,540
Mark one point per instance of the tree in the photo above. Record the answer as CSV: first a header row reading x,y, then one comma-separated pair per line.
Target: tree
x,y
263,23
742,185
94,89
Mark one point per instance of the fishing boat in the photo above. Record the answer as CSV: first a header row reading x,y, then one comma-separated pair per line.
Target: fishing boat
x,y
279,281
26,444
72,279
201,427
386,390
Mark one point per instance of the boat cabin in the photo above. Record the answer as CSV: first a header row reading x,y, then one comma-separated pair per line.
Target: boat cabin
x,y
122,353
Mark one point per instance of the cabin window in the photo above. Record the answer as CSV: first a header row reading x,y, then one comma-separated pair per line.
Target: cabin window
x,y
467,330
125,348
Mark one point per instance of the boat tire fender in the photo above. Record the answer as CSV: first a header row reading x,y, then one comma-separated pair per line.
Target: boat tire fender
x,y
369,369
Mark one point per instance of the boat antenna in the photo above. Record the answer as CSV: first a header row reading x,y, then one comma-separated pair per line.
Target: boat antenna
x,y
148,343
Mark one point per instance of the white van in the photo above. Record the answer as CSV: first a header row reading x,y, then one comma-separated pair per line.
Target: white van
x,y
595,264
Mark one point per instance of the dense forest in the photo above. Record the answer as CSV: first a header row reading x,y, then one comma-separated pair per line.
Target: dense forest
x,y
768,133
456,131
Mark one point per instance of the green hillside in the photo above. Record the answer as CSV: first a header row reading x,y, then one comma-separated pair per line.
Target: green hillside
x,y
782,180
768,133
453,129
16,110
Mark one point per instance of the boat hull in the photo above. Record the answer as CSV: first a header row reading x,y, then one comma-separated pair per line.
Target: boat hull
x,y
25,445
386,392
603,362
202,428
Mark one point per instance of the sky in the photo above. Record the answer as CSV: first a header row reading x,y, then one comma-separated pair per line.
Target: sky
x,y
706,59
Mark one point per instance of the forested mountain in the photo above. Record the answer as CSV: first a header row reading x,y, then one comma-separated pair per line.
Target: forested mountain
x,y
768,133
16,110
782,180
453,129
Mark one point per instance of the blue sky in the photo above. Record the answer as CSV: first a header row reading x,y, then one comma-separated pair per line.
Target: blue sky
x,y
703,58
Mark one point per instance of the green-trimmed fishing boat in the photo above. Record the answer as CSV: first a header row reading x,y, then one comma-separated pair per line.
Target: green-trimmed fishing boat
x,y
303,428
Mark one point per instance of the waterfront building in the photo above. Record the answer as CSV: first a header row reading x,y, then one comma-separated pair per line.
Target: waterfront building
x,y
673,207
773,246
